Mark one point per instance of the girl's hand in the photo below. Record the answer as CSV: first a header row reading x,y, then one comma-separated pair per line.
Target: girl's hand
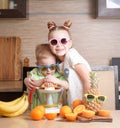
x,y
30,83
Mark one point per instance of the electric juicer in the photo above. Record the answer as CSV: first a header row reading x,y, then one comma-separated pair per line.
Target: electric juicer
x,y
51,99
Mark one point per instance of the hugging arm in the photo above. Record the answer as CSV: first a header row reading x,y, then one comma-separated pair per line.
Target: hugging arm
x,y
30,83
83,73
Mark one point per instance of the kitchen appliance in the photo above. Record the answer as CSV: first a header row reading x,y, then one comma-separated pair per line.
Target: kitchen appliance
x,y
51,99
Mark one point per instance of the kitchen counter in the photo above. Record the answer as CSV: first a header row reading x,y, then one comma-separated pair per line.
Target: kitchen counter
x,y
24,121
10,90
11,86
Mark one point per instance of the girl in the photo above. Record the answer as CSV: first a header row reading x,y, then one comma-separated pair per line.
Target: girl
x,y
60,42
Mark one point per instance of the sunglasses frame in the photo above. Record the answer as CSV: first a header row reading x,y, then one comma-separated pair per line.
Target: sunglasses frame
x,y
47,66
58,41
95,97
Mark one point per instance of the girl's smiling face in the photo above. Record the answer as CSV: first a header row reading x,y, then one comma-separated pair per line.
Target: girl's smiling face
x,y
61,43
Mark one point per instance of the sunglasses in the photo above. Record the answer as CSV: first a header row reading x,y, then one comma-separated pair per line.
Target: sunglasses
x,y
52,67
56,41
91,98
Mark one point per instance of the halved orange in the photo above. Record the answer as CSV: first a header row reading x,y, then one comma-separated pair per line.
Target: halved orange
x,y
79,109
88,113
105,113
71,116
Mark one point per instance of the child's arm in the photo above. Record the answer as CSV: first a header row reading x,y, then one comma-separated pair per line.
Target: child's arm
x,y
83,73
30,83
53,79
32,80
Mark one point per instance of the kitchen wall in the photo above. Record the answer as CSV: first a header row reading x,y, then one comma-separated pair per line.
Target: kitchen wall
x,y
98,40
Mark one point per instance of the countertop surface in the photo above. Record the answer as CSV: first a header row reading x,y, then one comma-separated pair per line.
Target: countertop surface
x,y
10,86
24,121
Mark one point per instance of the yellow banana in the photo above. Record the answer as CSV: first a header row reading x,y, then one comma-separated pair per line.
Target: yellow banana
x,y
12,108
20,111
11,102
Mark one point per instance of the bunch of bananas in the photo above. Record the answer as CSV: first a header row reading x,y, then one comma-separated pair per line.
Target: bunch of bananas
x,y
15,107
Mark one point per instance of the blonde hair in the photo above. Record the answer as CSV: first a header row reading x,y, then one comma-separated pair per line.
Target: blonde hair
x,y
43,51
53,27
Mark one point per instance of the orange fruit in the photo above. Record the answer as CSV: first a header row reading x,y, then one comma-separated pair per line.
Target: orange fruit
x,y
65,110
71,116
76,103
79,109
88,114
105,113
41,108
51,116
37,113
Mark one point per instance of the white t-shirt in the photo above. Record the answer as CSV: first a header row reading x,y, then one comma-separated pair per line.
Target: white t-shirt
x,y
75,90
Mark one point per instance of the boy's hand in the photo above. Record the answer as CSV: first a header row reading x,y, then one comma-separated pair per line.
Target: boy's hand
x,y
51,79
49,84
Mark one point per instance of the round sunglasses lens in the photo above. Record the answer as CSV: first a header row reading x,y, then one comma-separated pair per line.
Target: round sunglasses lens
x,y
53,67
43,69
63,41
53,42
90,97
101,98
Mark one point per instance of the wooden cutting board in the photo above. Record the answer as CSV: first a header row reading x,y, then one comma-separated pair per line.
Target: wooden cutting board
x,y
10,58
88,120
95,119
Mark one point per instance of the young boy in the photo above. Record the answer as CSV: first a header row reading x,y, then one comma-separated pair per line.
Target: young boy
x,y
46,74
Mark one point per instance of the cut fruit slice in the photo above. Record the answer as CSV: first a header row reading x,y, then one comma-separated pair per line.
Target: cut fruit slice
x,y
79,109
71,116
88,114
104,113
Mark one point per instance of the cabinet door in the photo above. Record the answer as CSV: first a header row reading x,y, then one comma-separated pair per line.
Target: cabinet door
x,y
13,8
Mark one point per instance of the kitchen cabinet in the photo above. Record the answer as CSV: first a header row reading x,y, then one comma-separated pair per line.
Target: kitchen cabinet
x,y
10,67
13,8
